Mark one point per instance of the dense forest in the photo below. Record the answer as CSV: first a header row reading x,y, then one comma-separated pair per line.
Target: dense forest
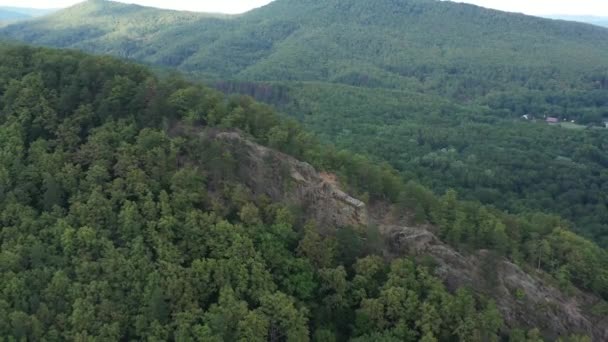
x,y
116,228
459,51
515,165
437,89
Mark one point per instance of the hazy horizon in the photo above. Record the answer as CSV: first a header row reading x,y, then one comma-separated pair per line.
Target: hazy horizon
x,y
538,7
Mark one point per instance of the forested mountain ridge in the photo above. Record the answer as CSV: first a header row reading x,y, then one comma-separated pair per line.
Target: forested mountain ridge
x,y
375,43
467,71
108,27
468,54
444,85
131,208
138,208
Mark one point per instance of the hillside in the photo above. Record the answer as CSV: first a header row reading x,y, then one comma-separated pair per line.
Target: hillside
x,y
435,88
420,45
137,208
517,165
106,27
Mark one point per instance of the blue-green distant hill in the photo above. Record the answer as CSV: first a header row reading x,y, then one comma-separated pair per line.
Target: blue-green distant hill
x,y
30,12
421,45
14,14
11,15
599,21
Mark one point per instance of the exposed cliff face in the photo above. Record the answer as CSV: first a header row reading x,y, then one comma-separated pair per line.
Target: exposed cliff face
x,y
524,298
284,178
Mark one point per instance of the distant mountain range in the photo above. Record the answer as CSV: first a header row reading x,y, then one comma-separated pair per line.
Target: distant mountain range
x,y
12,14
385,43
599,21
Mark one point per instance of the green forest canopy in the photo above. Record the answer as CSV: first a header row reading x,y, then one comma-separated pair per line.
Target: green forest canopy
x,y
437,89
113,229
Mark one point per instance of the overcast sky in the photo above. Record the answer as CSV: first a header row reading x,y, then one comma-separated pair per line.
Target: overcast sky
x,y
534,7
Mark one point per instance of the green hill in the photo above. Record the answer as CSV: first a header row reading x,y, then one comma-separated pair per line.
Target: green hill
x,y
104,27
435,88
139,208
418,45
463,52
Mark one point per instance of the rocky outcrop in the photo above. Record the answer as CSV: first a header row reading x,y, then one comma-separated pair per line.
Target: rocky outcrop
x,y
284,178
524,298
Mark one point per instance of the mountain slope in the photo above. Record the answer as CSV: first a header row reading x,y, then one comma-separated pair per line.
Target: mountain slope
x,y
389,41
105,27
134,208
463,52
438,89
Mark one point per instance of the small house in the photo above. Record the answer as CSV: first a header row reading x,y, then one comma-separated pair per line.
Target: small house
x,y
552,120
